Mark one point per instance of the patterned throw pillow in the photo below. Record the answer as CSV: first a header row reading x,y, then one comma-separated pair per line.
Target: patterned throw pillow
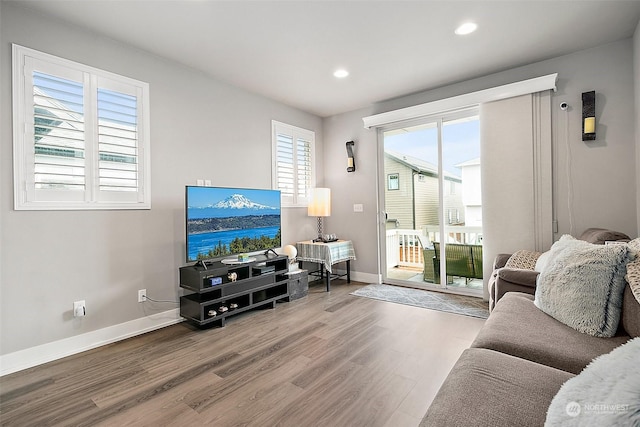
x,y
523,259
633,270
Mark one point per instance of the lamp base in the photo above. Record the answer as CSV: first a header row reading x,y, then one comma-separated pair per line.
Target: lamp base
x,y
319,238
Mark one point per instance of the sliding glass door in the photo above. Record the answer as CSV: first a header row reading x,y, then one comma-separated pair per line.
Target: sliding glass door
x,y
431,203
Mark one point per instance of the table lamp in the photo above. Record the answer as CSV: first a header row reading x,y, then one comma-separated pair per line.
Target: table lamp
x,y
319,206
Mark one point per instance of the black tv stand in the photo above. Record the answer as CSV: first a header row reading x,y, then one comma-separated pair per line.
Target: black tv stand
x,y
220,290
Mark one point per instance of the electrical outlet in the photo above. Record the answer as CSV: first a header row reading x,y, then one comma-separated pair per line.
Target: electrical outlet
x,y
79,309
142,295
357,207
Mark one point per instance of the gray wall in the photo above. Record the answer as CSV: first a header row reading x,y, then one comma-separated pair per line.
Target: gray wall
x,y
603,172
348,188
50,259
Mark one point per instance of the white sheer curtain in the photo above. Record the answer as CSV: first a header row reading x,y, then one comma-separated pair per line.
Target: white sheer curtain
x,y
517,211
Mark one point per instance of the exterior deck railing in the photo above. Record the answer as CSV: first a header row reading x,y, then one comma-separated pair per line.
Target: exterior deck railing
x,y
404,246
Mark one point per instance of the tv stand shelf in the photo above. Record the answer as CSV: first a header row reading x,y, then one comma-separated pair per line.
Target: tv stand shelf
x,y
237,287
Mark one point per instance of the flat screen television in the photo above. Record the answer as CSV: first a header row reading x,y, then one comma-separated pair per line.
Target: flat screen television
x,y
222,222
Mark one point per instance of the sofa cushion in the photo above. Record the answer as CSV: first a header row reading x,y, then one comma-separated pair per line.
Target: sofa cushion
x,y
582,285
630,320
606,393
517,327
598,236
487,388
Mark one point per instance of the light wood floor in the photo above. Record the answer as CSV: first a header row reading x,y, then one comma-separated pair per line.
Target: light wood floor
x,y
329,359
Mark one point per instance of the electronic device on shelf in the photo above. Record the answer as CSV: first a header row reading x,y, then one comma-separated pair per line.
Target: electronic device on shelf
x,y
224,222
264,269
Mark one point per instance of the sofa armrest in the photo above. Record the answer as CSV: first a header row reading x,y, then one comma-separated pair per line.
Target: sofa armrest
x,y
514,280
500,261
517,276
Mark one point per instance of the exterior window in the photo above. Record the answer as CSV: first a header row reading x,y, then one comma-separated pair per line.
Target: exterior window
x,y
81,136
393,181
293,163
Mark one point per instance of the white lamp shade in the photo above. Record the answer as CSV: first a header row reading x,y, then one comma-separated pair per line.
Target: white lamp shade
x,y
320,202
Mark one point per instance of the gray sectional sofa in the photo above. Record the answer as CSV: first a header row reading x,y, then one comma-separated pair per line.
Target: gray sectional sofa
x,y
520,358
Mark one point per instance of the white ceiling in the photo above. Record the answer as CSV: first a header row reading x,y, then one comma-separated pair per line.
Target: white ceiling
x,y
288,50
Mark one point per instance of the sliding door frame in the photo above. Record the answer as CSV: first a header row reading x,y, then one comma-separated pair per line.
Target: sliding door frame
x,y
439,120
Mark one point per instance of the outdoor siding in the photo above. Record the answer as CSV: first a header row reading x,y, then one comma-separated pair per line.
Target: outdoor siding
x,y
398,202
426,201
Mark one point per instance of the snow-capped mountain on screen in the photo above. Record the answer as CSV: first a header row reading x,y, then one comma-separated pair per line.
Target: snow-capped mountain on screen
x,y
238,201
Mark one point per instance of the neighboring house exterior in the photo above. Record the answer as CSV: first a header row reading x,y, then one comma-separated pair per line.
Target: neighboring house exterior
x,y
411,193
471,192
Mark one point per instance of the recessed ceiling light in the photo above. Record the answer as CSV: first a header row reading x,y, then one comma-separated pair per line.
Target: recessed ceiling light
x,y
466,28
341,73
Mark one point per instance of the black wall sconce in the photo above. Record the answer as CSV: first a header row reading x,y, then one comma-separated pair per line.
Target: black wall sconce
x,y
589,116
351,162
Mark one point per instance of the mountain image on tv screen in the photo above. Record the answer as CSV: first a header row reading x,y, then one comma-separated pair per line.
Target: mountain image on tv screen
x,y
230,221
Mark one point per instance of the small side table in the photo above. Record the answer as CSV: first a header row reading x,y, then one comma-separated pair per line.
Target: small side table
x,y
327,254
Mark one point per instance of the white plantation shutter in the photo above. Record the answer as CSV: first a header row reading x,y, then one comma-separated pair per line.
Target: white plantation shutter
x,y
117,141
304,167
58,133
293,163
285,167
80,136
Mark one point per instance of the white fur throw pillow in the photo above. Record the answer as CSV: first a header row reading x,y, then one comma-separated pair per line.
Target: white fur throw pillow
x,y
606,393
582,285
633,270
542,261
523,259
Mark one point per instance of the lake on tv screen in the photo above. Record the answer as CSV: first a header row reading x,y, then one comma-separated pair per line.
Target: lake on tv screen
x,y
202,243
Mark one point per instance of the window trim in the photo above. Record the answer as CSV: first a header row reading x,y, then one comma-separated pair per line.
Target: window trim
x,y
25,195
295,132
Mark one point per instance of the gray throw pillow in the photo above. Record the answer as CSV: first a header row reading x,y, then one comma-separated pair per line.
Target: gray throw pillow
x,y
582,285
599,236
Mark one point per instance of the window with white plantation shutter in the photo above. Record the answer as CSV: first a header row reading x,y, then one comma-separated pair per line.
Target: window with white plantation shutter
x,y
81,136
293,163
117,141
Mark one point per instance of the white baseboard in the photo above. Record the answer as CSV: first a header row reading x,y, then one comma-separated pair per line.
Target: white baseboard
x,y
366,277
34,356
30,357
361,277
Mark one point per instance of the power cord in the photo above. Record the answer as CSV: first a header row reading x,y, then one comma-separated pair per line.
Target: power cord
x,y
161,300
